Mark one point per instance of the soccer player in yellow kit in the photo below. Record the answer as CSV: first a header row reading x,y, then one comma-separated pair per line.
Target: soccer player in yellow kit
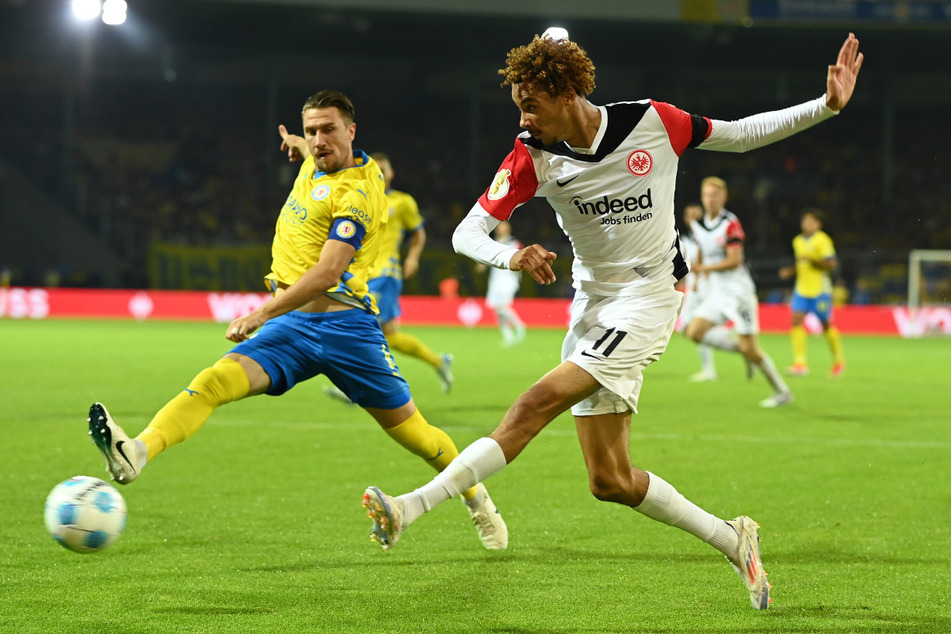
x,y
389,271
320,320
815,260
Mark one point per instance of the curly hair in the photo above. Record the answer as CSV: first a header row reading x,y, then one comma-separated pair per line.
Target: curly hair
x,y
551,65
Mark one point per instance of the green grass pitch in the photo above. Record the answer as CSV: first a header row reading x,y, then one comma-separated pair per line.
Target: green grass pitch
x,y
255,524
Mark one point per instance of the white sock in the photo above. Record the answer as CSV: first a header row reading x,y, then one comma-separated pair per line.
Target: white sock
x,y
721,338
142,452
477,462
772,374
664,503
706,358
506,324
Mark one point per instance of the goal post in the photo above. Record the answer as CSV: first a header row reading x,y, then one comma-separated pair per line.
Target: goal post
x,y
929,285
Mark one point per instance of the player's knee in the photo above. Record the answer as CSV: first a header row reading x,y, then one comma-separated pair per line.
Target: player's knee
x,y
750,350
608,488
222,383
527,416
539,401
694,333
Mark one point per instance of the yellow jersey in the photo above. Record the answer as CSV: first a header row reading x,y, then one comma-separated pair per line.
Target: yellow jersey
x,y
812,281
403,218
355,197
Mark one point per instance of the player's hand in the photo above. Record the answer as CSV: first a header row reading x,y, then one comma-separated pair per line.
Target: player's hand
x,y
787,272
295,146
537,260
840,80
241,328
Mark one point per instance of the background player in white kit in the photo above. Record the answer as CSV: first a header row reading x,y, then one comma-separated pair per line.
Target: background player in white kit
x,y
732,293
694,287
608,172
502,287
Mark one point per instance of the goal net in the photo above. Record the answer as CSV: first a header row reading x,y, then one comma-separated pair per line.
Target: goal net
x,y
929,291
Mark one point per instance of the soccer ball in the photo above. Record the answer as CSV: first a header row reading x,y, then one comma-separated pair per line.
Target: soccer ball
x,y
85,514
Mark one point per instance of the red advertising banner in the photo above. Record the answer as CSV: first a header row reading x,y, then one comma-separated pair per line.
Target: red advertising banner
x,y
72,303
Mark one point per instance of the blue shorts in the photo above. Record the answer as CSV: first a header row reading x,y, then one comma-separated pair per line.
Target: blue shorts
x,y
820,306
386,292
347,346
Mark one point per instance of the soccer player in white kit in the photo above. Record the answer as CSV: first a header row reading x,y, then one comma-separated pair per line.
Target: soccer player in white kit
x,y
732,293
608,172
503,285
694,287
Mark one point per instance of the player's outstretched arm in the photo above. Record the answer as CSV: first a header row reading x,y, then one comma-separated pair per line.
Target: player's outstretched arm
x,y
537,260
295,146
840,80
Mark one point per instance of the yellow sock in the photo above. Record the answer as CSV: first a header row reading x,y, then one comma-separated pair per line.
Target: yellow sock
x,y
835,344
408,344
799,340
181,417
429,443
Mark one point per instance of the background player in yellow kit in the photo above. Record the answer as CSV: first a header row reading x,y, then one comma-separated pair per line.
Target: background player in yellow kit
x,y
815,260
320,320
389,271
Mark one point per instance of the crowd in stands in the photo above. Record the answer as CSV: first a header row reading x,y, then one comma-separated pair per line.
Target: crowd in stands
x,y
146,162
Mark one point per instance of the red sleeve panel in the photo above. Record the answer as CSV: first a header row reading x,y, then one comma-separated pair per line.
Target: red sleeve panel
x,y
684,129
734,233
514,184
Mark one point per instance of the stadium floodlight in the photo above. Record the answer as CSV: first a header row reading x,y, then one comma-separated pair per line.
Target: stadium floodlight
x,y
113,12
86,10
556,33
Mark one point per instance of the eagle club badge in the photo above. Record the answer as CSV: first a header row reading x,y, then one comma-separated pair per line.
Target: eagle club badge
x,y
640,162
500,185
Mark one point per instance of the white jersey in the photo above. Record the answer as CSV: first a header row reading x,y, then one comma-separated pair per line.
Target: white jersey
x,y
714,237
503,283
694,283
615,200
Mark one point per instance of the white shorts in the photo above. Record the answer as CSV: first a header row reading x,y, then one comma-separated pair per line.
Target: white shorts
x,y
614,339
740,308
502,290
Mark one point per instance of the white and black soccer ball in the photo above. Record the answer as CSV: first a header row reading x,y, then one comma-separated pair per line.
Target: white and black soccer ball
x,y
85,514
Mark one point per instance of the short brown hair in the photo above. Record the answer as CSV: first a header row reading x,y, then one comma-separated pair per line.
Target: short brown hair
x,y
552,65
815,212
331,99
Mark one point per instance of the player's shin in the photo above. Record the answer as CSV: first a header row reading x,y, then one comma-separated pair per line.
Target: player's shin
x,y
835,344
182,416
476,463
665,504
799,339
706,359
772,374
414,347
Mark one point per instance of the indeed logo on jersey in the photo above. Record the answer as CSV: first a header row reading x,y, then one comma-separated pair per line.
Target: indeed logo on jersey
x,y
604,205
